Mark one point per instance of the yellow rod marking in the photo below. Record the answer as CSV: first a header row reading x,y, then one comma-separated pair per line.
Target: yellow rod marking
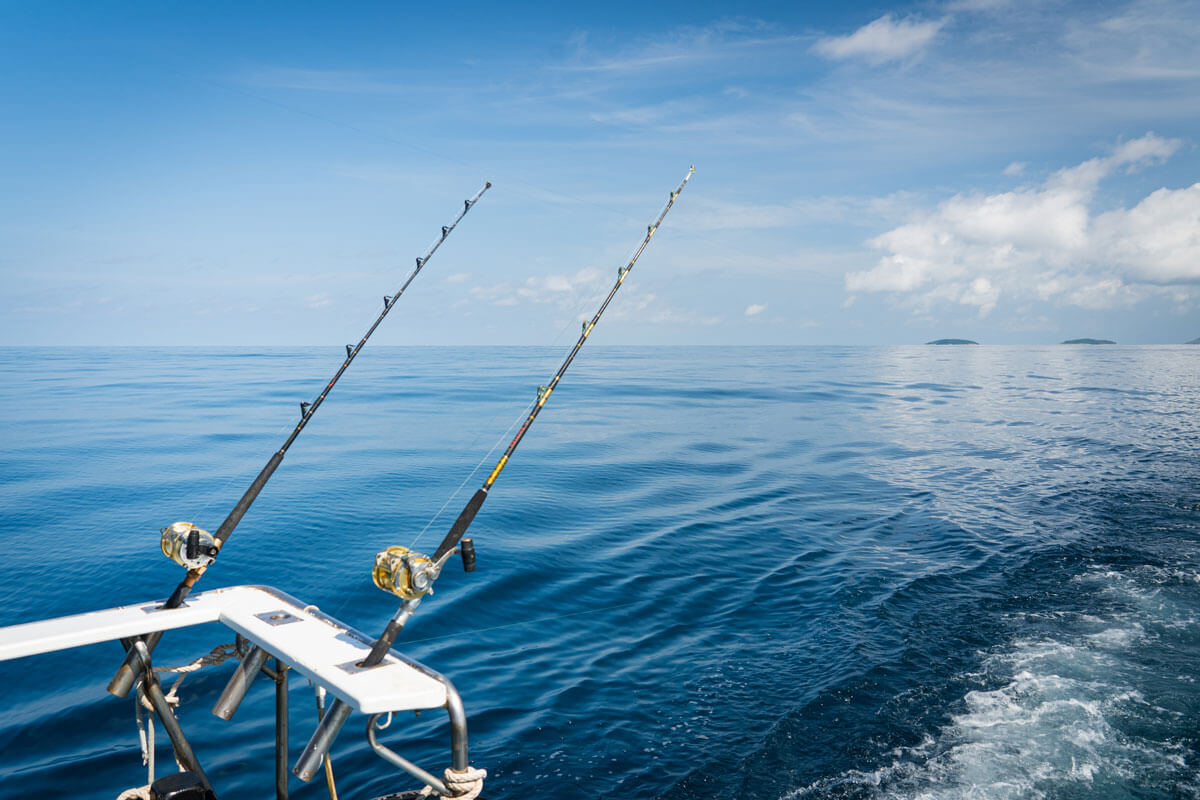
x,y
496,471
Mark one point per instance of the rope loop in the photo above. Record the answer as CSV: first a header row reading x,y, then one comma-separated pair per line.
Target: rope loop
x,y
465,785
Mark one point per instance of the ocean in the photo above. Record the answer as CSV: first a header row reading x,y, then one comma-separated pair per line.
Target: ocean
x,y
780,573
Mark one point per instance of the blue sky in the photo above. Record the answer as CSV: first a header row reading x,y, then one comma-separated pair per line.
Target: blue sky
x,y
1010,172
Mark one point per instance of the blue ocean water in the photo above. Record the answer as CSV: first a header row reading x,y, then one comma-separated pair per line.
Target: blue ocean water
x,y
851,572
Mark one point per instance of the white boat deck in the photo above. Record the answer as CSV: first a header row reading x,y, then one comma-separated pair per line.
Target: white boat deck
x,y
314,644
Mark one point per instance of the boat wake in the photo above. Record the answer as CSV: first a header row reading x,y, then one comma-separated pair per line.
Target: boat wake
x,y
1097,709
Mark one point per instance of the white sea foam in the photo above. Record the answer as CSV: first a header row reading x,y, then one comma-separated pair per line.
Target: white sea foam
x,y
1055,718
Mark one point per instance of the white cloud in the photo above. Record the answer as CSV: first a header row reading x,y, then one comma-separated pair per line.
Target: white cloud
x,y
458,277
559,290
1158,240
1045,242
1016,168
754,309
885,39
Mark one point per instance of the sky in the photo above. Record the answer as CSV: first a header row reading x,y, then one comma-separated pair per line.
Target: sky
x,y
264,173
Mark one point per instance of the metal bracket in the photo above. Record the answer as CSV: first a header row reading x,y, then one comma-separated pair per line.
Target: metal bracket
x,y
280,617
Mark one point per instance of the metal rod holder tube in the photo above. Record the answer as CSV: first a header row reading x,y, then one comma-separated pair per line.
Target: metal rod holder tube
x,y
321,741
131,668
162,709
239,683
281,730
403,763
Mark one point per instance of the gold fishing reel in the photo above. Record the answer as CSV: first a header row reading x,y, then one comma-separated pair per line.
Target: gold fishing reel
x,y
404,573
188,545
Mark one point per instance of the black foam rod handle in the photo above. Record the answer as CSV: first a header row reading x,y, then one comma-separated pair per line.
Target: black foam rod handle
x,y
461,524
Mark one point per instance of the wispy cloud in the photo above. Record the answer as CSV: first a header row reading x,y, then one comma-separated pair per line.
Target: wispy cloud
x,y
647,115
754,309
562,291
684,46
885,39
319,300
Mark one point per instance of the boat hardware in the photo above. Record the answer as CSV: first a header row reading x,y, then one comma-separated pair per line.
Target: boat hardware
x,y
127,673
313,644
153,690
239,683
403,579
280,676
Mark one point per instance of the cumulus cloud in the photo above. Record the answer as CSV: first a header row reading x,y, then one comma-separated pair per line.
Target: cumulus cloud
x,y
885,39
1045,241
754,309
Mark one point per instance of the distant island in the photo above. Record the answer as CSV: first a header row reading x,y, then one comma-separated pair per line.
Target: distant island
x,y
1193,341
952,341
1089,341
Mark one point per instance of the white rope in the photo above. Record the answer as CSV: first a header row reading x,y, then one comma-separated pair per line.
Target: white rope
x,y
145,735
465,785
215,657
136,793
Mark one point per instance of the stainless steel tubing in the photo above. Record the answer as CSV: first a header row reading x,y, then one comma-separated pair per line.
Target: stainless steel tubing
x,y
460,758
131,668
162,708
281,730
403,763
239,683
321,741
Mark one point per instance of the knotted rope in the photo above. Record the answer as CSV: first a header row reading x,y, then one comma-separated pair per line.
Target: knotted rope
x,y
464,785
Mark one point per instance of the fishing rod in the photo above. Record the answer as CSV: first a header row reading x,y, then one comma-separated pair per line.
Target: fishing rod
x,y
194,548
410,575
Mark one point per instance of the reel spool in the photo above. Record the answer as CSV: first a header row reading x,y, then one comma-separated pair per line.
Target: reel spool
x,y
404,573
188,545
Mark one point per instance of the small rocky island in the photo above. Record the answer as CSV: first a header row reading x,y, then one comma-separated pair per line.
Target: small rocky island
x,y
1089,341
952,341
1194,341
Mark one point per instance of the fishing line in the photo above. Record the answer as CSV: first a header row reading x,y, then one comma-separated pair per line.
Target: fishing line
x,y
574,315
409,575
202,548
573,318
429,251
499,440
